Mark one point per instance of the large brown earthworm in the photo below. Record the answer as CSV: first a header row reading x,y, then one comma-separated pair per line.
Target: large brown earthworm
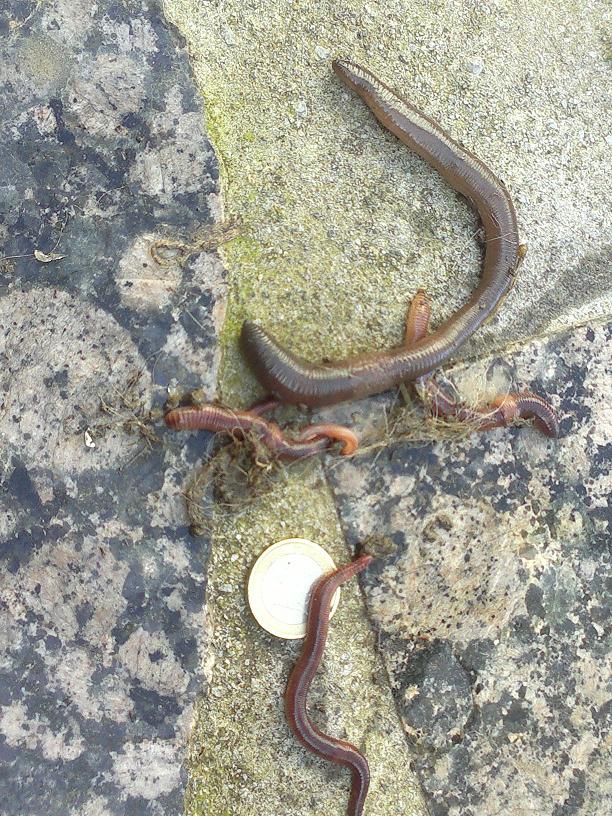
x,y
298,381
311,440
296,695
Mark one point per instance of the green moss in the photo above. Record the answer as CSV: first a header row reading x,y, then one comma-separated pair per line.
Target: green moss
x,y
238,385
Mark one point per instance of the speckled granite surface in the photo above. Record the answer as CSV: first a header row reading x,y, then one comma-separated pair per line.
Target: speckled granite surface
x,y
102,149
494,613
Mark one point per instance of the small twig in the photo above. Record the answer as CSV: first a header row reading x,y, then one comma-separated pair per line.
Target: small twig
x,y
166,251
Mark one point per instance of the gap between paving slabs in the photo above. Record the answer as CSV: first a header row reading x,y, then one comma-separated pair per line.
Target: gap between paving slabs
x,y
244,759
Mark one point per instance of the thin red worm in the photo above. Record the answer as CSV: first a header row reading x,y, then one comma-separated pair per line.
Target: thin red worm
x,y
298,381
296,695
337,433
500,412
310,440
417,318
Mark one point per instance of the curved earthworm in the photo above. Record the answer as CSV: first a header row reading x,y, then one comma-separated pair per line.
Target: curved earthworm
x,y
339,433
298,381
500,412
505,409
296,695
310,440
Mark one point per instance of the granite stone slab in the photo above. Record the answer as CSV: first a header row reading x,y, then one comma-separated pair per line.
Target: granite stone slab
x,y
102,151
494,610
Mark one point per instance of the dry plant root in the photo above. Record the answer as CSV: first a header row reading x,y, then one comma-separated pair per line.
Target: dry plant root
x,y
167,251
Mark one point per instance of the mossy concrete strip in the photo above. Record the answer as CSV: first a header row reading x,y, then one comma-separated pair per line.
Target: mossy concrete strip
x,y
245,760
341,223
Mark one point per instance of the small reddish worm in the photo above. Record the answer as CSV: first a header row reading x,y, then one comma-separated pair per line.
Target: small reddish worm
x,y
307,442
296,695
500,412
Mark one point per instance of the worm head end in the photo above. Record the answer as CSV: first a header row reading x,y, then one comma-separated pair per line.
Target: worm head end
x,y
352,74
172,419
340,67
254,342
249,327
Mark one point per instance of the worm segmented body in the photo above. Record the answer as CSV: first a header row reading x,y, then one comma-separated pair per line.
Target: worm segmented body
x,y
506,409
311,440
500,412
297,381
296,695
